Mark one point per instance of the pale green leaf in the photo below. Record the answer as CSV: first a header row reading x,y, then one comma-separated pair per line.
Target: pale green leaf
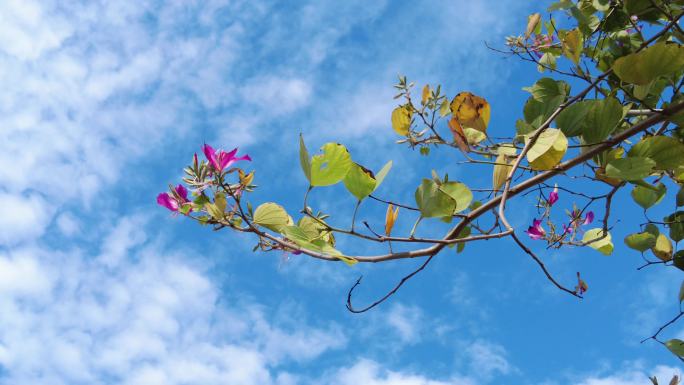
x,y
640,241
629,169
596,240
548,150
647,197
667,152
460,193
433,202
643,67
331,166
271,216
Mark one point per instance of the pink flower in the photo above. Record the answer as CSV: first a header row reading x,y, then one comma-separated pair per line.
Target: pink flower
x,y
219,160
536,231
589,217
553,196
175,200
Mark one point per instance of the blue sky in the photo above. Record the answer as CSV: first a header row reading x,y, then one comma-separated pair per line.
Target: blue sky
x,y
102,105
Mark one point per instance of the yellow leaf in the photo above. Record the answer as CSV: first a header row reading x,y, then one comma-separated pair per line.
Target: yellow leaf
x,y
532,22
572,45
471,111
501,170
548,150
401,120
390,218
246,179
663,248
426,94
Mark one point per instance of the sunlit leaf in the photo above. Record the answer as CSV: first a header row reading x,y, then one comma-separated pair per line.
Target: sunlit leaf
x,y
572,44
359,181
304,159
401,120
501,170
547,90
272,216
532,23
676,346
460,193
667,152
599,242
299,237
548,150
474,136
433,202
647,65
331,166
471,111
663,247
640,241
629,169
316,228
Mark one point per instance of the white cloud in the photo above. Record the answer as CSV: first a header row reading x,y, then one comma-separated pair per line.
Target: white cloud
x,y
633,375
488,360
23,217
138,315
371,373
407,322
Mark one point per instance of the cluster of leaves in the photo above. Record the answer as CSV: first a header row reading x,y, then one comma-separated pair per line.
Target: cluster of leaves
x,y
622,129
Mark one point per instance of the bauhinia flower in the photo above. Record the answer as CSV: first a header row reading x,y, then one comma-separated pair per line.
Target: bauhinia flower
x,y
220,159
174,200
553,196
588,218
536,231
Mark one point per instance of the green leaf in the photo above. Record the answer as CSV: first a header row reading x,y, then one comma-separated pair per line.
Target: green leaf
x,y
572,120
536,112
601,5
331,166
572,43
474,136
359,181
680,197
601,120
433,202
401,120
676,346
547,89
464,233
316,229
380,176
629,169
676,225
460,193
681,293
548,150
304,160
300,238
667,152
643,67
647,197
652,228
678,260
271,216
663,248
640,241
220,201
598,242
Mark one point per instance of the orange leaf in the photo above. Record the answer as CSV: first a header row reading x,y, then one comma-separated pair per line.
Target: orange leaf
x,y
390,218
459,136
471,111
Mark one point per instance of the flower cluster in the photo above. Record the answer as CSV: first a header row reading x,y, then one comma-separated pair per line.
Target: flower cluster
x,y
177,200
577,218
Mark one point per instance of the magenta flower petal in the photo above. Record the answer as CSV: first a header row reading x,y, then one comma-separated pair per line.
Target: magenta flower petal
x,y
210,154
182,192
536,231
589,217
164,199
553,196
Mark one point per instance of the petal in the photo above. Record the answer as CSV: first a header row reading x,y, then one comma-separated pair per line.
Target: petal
x,y
164,199
589,218
182,192
210,154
